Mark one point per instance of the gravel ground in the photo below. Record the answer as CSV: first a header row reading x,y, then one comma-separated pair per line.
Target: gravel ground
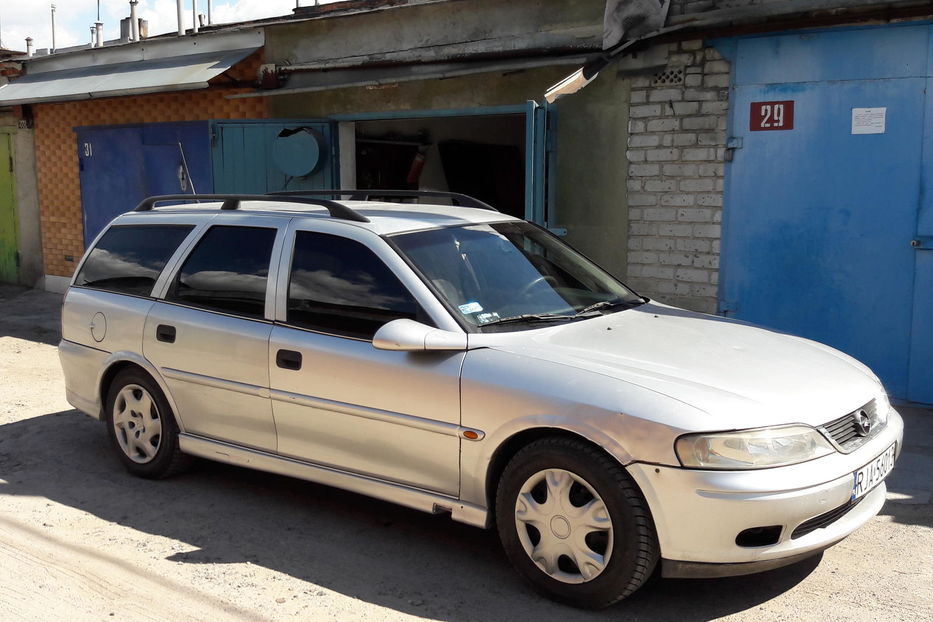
x,y
80,539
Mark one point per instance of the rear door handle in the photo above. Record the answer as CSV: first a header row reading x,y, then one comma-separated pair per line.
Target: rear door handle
x,y
165,333
288,359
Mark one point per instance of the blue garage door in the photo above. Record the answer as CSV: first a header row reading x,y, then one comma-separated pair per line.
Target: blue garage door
x,y
820,234
121,165
256,157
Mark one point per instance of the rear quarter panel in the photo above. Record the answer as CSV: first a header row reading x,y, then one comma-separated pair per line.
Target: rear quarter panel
x,y
118,319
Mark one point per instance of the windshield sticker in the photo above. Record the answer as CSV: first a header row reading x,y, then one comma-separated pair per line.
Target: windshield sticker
x,y
470,307
485,318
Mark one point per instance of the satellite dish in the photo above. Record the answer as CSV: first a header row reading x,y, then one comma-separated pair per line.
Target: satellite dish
x,y
298,152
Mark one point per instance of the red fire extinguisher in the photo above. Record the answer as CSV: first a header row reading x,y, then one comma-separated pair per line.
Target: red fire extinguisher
x,y
417,165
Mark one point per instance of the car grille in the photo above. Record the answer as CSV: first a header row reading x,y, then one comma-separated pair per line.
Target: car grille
x,y
845,433
824,520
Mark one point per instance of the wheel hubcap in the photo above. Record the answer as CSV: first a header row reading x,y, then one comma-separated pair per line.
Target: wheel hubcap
x,y
137,423
564,526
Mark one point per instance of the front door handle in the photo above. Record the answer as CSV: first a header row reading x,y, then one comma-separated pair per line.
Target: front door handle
x,y
165,333
288,359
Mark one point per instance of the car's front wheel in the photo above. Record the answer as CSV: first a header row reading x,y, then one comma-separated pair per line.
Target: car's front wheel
x,y
142,427
574,523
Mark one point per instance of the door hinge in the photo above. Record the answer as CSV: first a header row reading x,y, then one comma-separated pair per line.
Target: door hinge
x,y
732,143
16,259
11,163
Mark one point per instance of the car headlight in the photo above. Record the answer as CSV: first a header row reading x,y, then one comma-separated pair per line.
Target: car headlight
x,y
752,449
882,409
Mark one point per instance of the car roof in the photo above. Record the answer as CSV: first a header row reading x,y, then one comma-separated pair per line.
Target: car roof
x,y
385,218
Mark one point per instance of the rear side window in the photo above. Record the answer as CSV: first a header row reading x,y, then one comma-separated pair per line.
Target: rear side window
x,y
339,286
227,271
129,258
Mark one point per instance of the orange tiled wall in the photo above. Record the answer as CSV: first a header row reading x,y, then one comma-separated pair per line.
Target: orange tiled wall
x,y
57,153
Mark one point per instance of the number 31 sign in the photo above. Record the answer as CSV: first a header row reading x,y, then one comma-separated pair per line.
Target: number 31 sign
x,y
771,116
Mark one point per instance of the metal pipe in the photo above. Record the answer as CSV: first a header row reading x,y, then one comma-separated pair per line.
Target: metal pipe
x,y
53,29
28,47
440,75
100,33
184,163
181,17
194,16
134,21
93,35
210,4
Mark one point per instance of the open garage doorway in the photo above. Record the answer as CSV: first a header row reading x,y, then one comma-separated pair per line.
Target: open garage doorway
x,y
484,156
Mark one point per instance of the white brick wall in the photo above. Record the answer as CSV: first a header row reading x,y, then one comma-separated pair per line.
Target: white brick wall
x,y
677,139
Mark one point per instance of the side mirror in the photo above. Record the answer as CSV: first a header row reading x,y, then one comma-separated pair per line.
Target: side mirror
x,y
412,336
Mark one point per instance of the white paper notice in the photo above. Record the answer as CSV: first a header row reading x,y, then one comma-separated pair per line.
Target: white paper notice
x,y
868,120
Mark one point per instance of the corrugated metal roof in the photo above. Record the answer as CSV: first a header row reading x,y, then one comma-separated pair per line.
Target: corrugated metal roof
x,y
130,78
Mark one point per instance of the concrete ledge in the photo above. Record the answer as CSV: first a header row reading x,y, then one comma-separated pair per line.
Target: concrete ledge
x,y
54,284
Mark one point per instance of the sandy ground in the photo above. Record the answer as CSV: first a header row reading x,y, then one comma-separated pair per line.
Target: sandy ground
x,y
80,539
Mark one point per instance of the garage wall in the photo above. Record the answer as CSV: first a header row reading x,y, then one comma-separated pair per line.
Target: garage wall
x,y
57,155
474,91
590,142
677,139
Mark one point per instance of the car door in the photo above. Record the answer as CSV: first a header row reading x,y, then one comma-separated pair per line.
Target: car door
x,y
337,400
209,335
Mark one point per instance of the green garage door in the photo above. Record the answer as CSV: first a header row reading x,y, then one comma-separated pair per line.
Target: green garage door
x,y
7,211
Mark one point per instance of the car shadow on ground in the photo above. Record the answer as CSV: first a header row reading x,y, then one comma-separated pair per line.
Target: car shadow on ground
x,y
420,564
30,314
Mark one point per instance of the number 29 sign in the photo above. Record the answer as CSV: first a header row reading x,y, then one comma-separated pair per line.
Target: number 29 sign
x,y
769,116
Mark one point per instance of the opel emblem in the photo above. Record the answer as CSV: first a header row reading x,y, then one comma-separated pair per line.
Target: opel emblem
x,y
862,423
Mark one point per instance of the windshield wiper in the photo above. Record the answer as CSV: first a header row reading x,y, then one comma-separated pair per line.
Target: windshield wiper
x,y
606,304
530,317
589,311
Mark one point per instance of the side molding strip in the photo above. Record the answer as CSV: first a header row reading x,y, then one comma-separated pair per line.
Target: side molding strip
x,y
216,383
410,421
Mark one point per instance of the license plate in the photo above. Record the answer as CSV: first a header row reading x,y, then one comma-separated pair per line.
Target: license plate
x,y
872,473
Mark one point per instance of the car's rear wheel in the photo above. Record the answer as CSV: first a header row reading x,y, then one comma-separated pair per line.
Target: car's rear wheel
x,y
142,426
574,523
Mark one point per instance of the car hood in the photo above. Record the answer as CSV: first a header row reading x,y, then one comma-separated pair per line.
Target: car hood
x,y
741,375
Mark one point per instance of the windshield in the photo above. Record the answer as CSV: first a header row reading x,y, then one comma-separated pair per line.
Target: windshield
x,y
513,274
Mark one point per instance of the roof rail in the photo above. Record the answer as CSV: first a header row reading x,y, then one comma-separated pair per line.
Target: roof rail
x,y
463,200
232,202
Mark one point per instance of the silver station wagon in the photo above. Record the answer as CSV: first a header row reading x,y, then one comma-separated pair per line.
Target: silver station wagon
x,y
456,360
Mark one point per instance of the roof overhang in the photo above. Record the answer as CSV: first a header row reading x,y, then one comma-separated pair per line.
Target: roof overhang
x,y
135,69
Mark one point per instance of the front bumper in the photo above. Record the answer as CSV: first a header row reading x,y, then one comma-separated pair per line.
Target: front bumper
x,y
698,513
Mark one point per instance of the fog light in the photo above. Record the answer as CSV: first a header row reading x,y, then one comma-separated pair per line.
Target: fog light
x,y
759,536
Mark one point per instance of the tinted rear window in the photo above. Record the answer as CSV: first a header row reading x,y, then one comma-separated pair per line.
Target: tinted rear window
x,y
227,271
129,258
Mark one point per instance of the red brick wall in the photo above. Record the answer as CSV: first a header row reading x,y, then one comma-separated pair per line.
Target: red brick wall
x,y
57,154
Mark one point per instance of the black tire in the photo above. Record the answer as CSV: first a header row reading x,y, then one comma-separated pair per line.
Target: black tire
x,y
166,459
631,545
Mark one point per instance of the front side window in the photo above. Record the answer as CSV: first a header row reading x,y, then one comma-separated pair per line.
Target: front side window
x,y
339,286
508,276
227,271
129,258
